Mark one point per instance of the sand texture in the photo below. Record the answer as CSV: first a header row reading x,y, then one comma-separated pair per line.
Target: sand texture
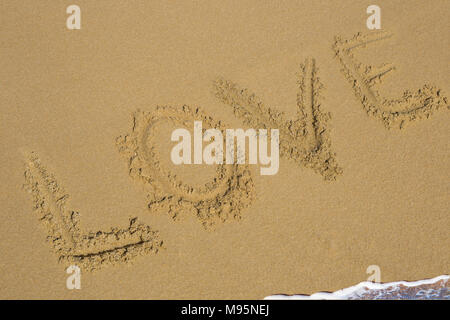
x,y
364,149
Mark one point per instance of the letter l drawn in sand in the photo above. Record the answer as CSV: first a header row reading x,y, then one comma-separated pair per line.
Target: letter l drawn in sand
x,y
90,251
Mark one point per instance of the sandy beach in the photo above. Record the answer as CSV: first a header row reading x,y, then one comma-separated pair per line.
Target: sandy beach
x,y
87,177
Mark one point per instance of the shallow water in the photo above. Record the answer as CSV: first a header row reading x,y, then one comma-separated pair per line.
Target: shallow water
x,y
431,289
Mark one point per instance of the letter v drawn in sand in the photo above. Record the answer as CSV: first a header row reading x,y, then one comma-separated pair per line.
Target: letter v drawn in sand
x,y
222,198
305,139
363,78
90,251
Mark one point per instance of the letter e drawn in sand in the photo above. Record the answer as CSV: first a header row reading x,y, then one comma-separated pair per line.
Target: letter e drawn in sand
x,y
394,113
306,138
220,199
90,251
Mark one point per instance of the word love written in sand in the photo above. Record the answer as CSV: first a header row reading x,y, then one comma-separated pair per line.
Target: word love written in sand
x,y
92,250
304,140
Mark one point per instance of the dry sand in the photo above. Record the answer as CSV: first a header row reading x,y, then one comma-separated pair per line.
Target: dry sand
x,y
86,175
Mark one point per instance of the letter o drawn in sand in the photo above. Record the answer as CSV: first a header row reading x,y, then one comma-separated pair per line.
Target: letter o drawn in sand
x,y
222,198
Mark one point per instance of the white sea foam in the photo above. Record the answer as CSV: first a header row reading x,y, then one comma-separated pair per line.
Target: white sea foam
x,y
435,288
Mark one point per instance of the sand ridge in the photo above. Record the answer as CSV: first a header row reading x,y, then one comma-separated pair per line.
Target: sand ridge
x,y
92,250
394,113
